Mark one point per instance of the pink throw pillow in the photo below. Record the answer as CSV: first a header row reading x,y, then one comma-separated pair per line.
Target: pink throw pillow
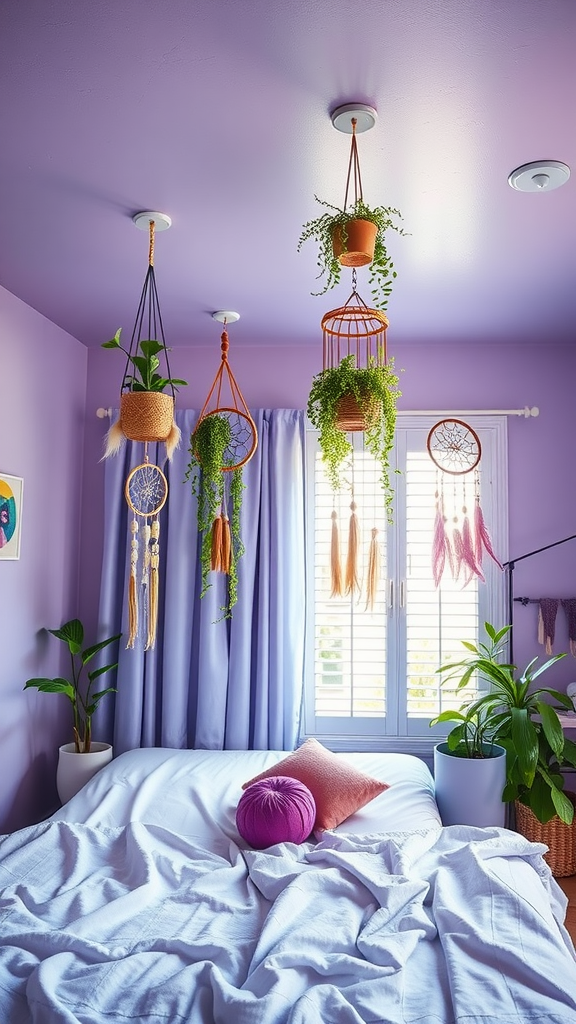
x,y
338,788
275,810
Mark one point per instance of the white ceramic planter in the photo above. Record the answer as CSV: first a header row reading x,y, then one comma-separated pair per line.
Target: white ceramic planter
x,y
75,770
469,790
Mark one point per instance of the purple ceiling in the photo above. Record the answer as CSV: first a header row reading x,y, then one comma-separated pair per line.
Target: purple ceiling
x,y
216,112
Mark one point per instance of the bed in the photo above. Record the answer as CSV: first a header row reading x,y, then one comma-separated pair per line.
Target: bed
x,y
140,901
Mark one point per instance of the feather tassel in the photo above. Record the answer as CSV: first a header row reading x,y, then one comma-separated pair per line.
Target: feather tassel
x,y
482,537
457,545
468,554
335,561
439,544
373,570
132,589
351,579
115,438
173,440
154,585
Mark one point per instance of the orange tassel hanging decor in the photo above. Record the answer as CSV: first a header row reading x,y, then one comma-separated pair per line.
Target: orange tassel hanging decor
x,y
216,558
373,570
335,562
226,559
132,589
352,582
154,584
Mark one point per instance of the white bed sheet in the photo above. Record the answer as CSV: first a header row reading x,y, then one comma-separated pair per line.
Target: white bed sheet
x,y
188,790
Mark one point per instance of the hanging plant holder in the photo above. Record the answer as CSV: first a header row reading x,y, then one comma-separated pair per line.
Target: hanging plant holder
x,y
460,539
354,241
147,392
223,441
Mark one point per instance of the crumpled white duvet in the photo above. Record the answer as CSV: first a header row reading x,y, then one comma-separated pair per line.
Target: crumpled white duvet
x,y
139,924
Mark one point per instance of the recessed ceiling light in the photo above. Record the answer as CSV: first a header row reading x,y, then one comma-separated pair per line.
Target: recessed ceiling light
x,y
539,176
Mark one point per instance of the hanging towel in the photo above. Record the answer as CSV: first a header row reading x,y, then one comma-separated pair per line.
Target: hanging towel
x,y
547,621
569,606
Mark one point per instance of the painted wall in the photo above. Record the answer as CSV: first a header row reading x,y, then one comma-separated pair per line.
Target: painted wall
x,y
542,453
42,405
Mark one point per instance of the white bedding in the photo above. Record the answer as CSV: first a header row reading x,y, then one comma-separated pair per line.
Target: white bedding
x,y
134,921
187,790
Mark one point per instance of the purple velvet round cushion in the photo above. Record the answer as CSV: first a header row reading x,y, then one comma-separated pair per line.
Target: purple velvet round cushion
x,y
275,810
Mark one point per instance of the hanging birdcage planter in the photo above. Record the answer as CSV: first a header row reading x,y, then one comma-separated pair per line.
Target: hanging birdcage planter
x,y
147,394
354,236
460,536
223,441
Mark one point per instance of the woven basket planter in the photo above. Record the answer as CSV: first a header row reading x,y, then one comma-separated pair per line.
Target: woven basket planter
x,y
146,415
558,837
354,416
358,249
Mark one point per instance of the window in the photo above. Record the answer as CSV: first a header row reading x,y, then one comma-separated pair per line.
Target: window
x,y
371,676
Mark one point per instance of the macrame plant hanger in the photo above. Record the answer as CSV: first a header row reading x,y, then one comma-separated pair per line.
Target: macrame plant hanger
x,y
223,441
146,417
459,540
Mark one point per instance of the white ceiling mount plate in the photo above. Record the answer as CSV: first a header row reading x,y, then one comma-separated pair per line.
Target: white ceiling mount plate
x,y
161,220
226,316
365,115
539,176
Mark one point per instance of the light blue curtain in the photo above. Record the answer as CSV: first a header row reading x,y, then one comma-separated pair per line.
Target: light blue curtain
x,y
229,684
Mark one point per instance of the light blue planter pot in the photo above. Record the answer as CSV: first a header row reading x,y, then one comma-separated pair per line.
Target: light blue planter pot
x,y
469,790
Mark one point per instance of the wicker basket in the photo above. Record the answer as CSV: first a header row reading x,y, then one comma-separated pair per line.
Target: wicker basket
x,y
352,416
146,415
558,837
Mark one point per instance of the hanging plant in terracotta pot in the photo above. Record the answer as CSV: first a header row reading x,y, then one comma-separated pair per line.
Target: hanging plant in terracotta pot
x,y
224,440
354,236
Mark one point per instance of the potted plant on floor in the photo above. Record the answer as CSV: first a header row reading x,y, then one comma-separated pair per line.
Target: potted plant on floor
x,y
146,409
81,759
354,236
375,390
517,717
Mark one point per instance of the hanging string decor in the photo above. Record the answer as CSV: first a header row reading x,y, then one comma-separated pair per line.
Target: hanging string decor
x,y
223,441
147,393
146,490
459,537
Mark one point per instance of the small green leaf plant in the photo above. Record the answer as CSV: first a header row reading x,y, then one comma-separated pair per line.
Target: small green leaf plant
x,y
375,384
145,376
217,489
321,230
79,692
517,716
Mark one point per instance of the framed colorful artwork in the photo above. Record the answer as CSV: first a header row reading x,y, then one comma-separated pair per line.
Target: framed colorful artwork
x,y
10,515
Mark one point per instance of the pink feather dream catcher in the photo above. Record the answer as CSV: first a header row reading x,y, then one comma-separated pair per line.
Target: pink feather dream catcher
x,y
460,538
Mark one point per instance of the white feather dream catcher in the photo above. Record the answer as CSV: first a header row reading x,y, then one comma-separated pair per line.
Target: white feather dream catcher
x,y
460,536
146,491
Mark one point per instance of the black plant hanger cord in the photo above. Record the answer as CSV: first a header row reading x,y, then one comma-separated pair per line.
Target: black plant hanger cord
x,y
459,541
148,323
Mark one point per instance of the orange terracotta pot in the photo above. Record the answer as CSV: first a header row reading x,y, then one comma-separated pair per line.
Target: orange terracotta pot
x,y
357,250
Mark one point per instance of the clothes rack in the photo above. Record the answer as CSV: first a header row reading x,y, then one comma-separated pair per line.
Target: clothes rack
x,y
510,566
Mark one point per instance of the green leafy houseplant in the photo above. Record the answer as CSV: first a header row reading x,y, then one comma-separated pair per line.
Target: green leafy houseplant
x,y
321,230
374,385
518,717
215,488
79,692
145,376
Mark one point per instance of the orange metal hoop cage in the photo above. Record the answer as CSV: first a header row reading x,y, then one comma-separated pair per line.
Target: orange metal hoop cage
x,y
354,329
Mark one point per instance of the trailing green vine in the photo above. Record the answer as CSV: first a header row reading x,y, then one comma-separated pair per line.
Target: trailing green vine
x,y
321,230
371,384
217,489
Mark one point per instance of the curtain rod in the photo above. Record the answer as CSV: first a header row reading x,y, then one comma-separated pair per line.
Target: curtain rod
x,y
526,412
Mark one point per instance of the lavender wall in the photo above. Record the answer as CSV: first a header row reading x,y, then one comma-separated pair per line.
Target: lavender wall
x,y
542,456
42,401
